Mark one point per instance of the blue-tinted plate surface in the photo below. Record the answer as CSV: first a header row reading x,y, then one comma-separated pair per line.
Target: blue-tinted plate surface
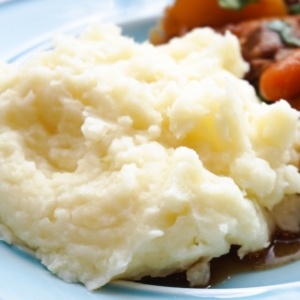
x,y
27,26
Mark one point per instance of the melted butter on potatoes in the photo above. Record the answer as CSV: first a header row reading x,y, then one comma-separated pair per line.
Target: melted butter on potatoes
x,y
120,160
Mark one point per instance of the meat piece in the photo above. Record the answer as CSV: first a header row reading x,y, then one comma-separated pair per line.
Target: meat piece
x,y
256,39
261,43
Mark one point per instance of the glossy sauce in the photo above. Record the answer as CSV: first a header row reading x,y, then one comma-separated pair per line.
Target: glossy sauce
x,y
284,249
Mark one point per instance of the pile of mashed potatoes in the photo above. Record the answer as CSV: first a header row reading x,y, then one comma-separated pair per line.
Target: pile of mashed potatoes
x,y
120,160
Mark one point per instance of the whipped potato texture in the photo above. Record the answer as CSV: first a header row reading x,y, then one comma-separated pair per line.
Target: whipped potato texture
x,y
120,160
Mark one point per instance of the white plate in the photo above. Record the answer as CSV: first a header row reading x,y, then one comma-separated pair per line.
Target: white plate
x,y
27,27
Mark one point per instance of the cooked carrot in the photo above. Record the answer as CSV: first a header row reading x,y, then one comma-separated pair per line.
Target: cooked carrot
x,y
196,13
282,80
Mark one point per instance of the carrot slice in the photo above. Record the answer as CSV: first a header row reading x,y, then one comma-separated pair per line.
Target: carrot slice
x,y
282,79
196,13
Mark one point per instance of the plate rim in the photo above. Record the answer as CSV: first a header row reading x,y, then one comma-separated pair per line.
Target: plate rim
x,y
44,42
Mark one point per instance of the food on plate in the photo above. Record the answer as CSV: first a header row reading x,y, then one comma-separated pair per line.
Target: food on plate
x,y
269,45
284,248
281,80
185,15
266,30
121,160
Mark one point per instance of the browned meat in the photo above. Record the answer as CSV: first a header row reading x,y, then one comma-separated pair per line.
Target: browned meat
x,y
257,41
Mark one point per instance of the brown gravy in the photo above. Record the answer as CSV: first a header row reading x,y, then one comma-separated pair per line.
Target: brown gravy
x,y
285,248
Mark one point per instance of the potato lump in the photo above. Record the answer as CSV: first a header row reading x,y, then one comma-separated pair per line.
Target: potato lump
x,y
120,160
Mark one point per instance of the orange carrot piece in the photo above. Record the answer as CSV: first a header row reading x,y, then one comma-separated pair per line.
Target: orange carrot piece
x,y
282,80
197,13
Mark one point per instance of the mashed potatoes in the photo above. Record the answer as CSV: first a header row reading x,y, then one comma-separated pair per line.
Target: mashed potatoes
x,y
119,160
